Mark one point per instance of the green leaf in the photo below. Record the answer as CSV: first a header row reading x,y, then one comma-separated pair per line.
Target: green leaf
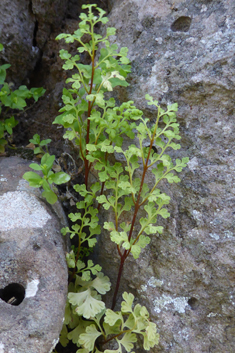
x,y
70,258
98,98
95,187
61,36
10,123
37,150
109,226
95,269
81,189
3,69
171,178
64,54
45,142
87,305
175,146
111,317
47,161
124,60
35,140
80,327
50,196
164,213
59,178
159,142
91,242
86,276
143,241
166,160
16,101
126,305
91,148
65,230
103,200
69,118
3,142
84,350
135,250
131,322
120,238
173,107
80,265
110,31
151,337
124,51
112,330
70,135
152,102
88,339
101,283
35,166
63,336
127,341
68,65
34,179
150,229
37,92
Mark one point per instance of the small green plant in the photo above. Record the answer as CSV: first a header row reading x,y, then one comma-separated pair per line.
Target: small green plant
x,y
40,147
98,127
12,100
48,177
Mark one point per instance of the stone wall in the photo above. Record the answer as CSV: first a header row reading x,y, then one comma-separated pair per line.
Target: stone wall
x,y
25,27
183,51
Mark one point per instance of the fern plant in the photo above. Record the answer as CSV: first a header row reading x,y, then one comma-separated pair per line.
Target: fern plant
x,y
98,127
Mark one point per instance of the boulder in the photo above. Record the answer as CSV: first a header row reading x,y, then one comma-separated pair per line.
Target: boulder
x,y
25,27
183,51
33,270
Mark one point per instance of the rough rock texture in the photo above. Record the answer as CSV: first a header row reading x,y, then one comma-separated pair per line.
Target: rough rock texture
x,y
48,72
25,26
183,51
32,265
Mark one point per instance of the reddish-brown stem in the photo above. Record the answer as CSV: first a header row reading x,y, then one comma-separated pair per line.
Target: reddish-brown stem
x,y
90,105
119,251
118,280
102,186
137,206
111,338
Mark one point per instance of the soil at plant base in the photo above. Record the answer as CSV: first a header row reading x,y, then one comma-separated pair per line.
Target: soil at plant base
x,y
38,118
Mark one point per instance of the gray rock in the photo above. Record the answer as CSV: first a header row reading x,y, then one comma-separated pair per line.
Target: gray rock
x,y
33,271
25,26
183,51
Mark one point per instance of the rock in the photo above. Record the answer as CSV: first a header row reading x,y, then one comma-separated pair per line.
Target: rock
x,y
41,31
24,29
183,51
33,270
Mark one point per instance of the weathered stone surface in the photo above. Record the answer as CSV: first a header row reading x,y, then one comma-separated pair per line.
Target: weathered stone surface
x,y
183,51
25,26
32,260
